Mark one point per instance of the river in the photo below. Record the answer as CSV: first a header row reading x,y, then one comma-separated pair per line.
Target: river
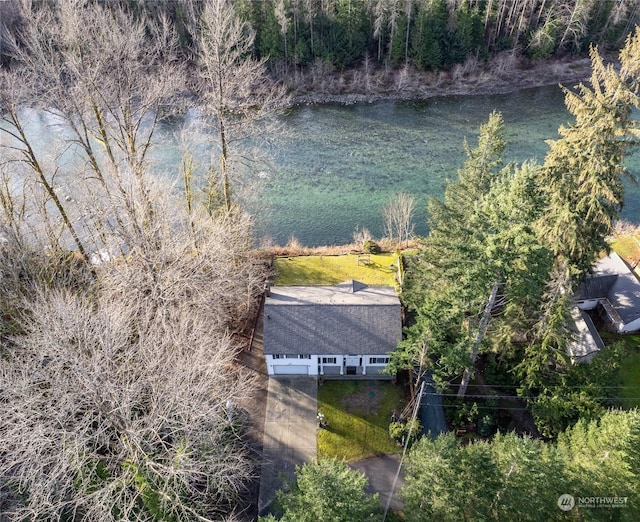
x,y
342,164
339,165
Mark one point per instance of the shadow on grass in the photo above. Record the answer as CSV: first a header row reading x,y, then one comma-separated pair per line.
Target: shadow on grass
x,y
358,413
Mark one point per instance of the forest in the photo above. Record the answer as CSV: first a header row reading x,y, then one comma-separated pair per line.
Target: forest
x,y
127,293
423,34
432,34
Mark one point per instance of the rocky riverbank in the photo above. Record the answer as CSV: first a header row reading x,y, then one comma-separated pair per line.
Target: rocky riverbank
x,y
504,74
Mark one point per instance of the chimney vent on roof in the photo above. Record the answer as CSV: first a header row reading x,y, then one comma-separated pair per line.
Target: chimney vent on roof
x,y
352,286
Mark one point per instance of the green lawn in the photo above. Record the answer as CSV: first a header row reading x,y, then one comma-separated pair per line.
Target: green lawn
x,y
331,270
358,413
627,247
630,379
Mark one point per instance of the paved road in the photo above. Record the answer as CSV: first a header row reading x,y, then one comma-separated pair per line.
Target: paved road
x,y
290,437
381,472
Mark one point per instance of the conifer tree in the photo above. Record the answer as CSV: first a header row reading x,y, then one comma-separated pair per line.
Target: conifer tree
x,y
583,172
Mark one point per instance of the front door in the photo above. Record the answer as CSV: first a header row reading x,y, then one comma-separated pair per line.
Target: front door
x,y
351,363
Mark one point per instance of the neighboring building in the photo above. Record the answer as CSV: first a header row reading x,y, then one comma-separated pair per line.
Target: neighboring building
x,y
343,330
611,295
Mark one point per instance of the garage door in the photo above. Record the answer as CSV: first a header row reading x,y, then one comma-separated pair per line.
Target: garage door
x,y
293,369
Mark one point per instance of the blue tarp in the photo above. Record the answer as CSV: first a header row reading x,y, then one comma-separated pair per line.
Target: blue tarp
x,y
431,413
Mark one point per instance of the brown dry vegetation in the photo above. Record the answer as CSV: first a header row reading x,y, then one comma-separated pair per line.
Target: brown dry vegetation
x,y
295,248
502,74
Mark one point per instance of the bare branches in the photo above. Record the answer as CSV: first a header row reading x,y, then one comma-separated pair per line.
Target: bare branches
x,y
105,77
117,400
398,218
234,87
103,413
115,379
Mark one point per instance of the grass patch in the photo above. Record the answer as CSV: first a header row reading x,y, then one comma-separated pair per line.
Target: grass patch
x,y
630,377
628,374
358,413
331,270
627,247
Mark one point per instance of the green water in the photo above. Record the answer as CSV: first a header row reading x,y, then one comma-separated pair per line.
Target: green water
x,y
342,164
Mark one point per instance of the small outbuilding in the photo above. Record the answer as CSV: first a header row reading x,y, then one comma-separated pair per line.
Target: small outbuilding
x,y
611,297
344,330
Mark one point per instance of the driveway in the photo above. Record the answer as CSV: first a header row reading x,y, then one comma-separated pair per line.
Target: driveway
x,y
381,472
290,437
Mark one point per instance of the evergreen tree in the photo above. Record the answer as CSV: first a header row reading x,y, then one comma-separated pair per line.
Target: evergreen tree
x,y
327,491
583,172
428,37
480,243
519,478
603,455
447,482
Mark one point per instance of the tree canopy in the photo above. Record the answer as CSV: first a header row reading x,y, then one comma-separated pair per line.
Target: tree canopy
x,y
327,491
519,478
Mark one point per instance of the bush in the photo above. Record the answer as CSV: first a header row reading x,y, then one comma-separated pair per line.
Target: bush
x,y
371,247
486,425
400,430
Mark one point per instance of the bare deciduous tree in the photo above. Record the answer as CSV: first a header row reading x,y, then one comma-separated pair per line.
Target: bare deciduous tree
x,y
115,379
115,400
234,87
111,413
103,78
398,218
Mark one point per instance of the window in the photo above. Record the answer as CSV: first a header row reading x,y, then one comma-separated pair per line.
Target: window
x,y
304,357
378,360
288,356
328,360
277,356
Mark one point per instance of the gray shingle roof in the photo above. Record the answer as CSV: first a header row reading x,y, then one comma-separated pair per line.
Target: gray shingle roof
x,y
613,279
350,318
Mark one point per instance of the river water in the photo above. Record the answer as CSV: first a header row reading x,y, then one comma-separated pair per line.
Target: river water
x,y
342,164
339,165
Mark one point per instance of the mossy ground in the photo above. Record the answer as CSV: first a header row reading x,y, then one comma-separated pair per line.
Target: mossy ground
x,y
331,270
358,413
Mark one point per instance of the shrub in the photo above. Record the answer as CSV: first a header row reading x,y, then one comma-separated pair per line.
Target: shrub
x,y
371,247
400,430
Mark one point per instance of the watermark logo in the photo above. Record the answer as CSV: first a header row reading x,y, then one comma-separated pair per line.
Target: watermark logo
x,y
602,502
566,502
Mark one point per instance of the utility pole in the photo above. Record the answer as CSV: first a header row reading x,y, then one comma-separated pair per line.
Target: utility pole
x,y
482,328
404,450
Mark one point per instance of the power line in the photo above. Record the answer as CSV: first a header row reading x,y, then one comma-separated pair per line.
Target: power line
x,y
479,396
460,406
549,386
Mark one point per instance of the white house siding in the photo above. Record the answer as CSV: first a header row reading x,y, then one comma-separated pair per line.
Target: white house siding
x,y
327,365
291,365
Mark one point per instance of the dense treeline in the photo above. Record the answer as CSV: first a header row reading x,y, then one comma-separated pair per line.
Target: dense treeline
x,y
509,244
426,34
432,34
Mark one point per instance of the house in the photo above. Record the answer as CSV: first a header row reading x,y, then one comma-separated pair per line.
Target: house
x,y
610,297
342,330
